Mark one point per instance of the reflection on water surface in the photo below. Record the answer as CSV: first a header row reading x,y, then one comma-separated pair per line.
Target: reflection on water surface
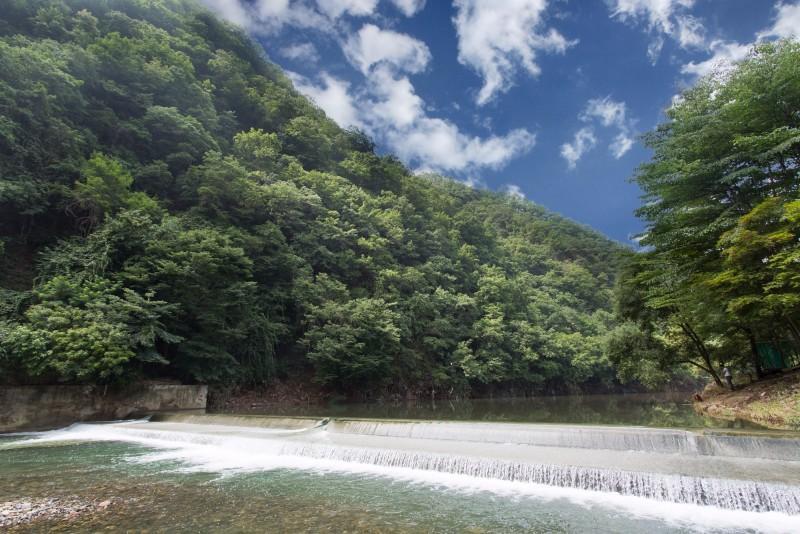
x,y
671,410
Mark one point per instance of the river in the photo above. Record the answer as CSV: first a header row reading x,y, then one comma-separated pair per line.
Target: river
x,y
589,464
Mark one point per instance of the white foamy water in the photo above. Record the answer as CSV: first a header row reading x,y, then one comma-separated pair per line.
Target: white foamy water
x,y
643,476
658,440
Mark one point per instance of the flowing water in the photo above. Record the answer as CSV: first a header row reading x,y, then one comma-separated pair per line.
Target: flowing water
x,y
190,473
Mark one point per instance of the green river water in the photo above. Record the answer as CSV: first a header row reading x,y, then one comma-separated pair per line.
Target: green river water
x,y
178,476
669,410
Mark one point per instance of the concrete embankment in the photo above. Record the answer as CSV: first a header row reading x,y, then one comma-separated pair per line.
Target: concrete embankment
x,y
43,407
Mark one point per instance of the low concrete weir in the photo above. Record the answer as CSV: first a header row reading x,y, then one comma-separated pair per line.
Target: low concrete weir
x,y
729,494
753,473
251,421
655,440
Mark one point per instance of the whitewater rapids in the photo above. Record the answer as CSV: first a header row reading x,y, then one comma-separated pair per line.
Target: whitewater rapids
x,y
705,477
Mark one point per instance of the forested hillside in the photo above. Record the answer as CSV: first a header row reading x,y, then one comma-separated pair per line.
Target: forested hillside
x,y
171,207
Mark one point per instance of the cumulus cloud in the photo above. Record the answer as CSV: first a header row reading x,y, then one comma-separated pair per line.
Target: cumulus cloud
x,y
583,141
397,115
409,7
608,113
372,45
231,10
611,113
690,32
786,24
386,104
440,145
620,145
663,18
395,102
393,112
300,52
332,96
497,39
357,8
270,16
725,54
514,191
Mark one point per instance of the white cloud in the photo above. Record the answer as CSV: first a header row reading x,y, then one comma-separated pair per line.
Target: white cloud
x,y
231,10
583,141
724,56
386,105
372,45
439,144
398,116
394,113
611,113
690,32
409,7
397,102
787,22
620,145
658,13
302,51
497,39
356,8
654,49
272,8
269,16
514,191
333,97
662,18
474,182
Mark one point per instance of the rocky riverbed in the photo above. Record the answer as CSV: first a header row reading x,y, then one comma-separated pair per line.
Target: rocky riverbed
x,y
21,512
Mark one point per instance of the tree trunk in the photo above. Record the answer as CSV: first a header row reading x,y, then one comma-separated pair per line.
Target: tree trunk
x,y
756,358
795,330
704,354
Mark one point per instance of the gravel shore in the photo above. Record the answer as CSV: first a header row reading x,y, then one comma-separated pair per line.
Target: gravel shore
x,y
23,511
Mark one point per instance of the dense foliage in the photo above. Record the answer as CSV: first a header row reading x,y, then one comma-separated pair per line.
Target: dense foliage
x,y
722,273
171,207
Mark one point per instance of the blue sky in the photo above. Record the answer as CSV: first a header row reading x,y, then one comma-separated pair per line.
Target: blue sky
x,y
544,99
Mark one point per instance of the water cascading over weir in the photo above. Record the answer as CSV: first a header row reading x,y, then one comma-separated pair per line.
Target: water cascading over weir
x,y
725,469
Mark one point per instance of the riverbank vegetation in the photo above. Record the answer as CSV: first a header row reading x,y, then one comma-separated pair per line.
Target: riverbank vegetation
x,y
171,207
719,281
773,402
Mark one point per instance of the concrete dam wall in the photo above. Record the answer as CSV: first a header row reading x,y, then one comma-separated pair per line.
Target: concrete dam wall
x,y
43,407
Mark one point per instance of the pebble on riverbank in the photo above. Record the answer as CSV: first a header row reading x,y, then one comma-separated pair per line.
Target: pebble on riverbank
x,y
23,511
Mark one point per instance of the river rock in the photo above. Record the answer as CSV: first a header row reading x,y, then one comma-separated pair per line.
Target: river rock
x,y
22,511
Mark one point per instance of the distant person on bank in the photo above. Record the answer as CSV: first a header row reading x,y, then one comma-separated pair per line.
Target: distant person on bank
x,y
726,372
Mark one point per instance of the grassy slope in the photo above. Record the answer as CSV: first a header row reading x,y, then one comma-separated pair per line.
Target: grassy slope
x,y
774,403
